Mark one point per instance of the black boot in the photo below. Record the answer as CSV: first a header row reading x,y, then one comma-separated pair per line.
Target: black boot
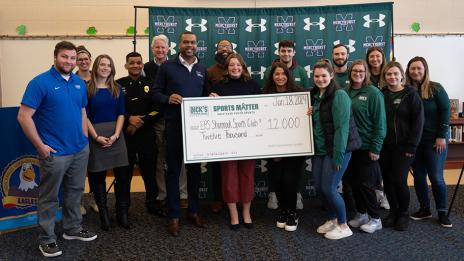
x,y
99,193
391,219
122,191
402,222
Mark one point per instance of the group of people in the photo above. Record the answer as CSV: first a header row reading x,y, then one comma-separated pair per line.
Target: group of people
x,y
368,125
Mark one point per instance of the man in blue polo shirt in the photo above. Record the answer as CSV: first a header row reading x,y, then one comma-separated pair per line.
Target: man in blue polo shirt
x,y
178,78
53,117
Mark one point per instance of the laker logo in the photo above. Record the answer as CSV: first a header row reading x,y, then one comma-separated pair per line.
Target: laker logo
x,y
199,111
284,25
308,23
253,48
224,25
19,186
201,49
344,22
201,25
314,47
251,25
350,45
260,72
368,20
165,25
371,42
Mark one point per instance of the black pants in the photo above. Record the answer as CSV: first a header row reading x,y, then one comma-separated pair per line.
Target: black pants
x,y
142,146
122,178
287,174
395,167
216,180
362,174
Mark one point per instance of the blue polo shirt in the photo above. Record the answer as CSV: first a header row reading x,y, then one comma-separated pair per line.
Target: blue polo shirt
x,y
58,104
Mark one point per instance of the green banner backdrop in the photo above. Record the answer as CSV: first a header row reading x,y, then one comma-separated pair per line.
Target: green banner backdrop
x,y
255,33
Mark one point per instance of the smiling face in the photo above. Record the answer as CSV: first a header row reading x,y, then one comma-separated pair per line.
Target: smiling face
x,y
134,66
188,46
235,68
375,59
286,54
83,62
322,78
340,56
65,61
279,77
393,76
160,50
104,68
358,74
417,71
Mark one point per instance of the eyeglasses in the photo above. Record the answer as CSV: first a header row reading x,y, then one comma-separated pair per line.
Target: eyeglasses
x,y
358,71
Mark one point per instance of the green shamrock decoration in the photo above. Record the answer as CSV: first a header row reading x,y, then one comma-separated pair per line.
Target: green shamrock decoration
x,y
147,30
21,29
91,30
415,27
130,30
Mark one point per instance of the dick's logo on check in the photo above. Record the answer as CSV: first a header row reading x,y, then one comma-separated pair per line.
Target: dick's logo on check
x,y
199,111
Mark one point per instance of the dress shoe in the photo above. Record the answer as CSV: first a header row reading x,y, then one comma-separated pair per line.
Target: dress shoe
x,y
216,207
248,225
160,212
174,227
184,203
234,227
196,220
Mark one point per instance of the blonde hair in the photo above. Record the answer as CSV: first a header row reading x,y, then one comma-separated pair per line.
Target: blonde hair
x,y
388,67
110,82
426,89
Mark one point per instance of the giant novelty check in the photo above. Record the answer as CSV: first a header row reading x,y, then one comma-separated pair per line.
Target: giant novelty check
x,y
246,127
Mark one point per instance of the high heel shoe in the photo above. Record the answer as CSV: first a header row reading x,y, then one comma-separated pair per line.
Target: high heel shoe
x,y
234,227
248,225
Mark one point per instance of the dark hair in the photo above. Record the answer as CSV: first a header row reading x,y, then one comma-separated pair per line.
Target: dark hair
x,y
224,40
64,45
245,74
425,89
183,33
132,54
82,49
286,43
270,86
380,50
340,45
367,75
112,85
325,64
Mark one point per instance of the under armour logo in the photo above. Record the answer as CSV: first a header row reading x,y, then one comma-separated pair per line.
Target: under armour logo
x,y
260,73
201,49
308,23
226,25
191,25
172,46
309,163
371,42
350,45
314,47
251,25
164,25
284,25
344,22
308,70
379,20
253,48
262,165
203,167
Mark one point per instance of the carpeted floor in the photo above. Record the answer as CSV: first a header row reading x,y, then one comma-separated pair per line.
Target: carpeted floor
x,y
149,240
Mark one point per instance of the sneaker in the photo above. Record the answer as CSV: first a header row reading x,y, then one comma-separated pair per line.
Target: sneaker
x,y
373,225
338,233
402,222
83,211
299,201
421,214
359,220
292,222
50,250
281,219
326,227
93,206
82,235
444,220
272,202
382,199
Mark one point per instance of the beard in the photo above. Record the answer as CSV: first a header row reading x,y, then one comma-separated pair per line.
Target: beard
x,y
340,65
221,57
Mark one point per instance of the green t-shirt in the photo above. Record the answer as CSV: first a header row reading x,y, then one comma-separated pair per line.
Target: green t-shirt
x,y
342,79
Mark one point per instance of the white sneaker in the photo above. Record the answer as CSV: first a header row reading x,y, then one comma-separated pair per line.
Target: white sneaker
x,y
272,203
326,227
299,201
83,211
372,226
338,233
359,220
93,206
382,199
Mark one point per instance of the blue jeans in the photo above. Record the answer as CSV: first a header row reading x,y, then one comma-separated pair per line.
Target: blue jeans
x,y
429,162
326,180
